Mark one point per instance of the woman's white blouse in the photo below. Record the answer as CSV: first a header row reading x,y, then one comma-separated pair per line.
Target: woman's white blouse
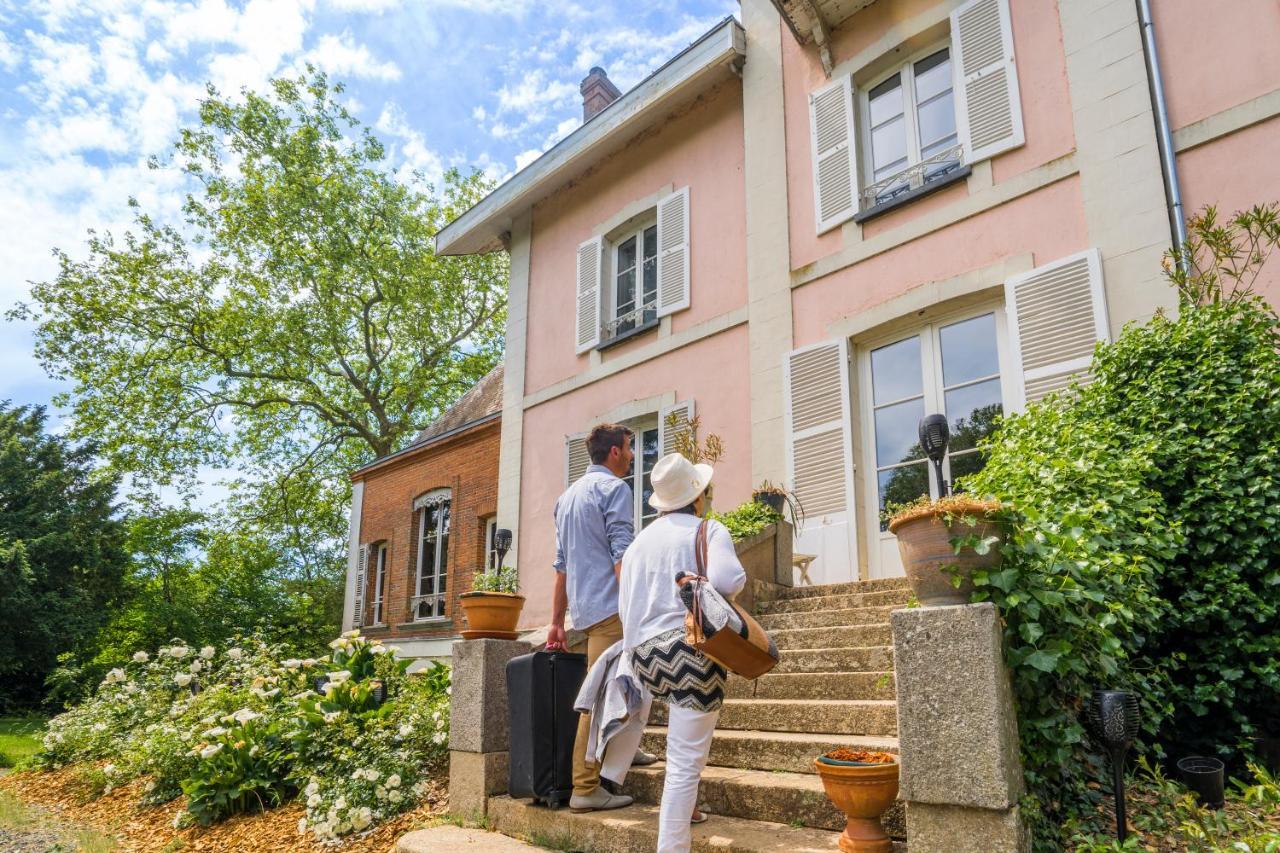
x,y
648,600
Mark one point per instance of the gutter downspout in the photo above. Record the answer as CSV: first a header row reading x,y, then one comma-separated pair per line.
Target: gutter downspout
x,y
1164,134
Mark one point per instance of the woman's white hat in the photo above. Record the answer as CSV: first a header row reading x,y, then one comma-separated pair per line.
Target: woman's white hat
x,y
677,482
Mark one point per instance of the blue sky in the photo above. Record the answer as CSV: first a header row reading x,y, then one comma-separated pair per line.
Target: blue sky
x,y
90,88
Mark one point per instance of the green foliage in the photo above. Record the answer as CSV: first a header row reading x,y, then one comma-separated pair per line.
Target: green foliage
x,y
747,519
504,579
62,553
19,739
242,765
1145,507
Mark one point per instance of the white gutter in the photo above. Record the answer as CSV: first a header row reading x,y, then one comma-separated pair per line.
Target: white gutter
x,y
711,58
1164,133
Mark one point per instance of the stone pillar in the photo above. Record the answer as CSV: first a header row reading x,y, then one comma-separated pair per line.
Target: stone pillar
x,y
478,736
961,767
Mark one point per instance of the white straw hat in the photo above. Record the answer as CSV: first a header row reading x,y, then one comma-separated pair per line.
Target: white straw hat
x,y
677,482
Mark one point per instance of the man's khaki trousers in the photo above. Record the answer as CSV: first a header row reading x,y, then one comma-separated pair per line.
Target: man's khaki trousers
x,y
600,636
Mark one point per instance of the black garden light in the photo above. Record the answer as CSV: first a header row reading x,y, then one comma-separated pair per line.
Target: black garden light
x,y
501,544
1112,717
934,437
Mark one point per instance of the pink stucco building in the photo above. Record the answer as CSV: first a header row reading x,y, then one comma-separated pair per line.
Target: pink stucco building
x,y
827,218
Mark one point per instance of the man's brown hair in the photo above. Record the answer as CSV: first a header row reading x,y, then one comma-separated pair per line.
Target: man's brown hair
x,y
604,437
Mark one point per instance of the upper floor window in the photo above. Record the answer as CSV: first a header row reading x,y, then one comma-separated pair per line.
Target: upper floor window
x,y
634,295
380,587
433,555
909,122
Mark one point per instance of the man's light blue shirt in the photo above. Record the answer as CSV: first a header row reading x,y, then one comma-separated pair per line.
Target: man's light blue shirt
x,y
594,526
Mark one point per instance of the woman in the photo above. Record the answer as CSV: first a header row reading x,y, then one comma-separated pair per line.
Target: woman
x,y
653,631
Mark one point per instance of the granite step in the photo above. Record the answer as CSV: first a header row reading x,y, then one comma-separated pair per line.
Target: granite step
x,y
877,585
840,659
635,830
815,685
876,634
813,716
793,752
778,797
888,598
826,618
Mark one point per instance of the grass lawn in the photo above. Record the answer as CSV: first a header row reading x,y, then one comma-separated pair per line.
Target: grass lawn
x,y
19,738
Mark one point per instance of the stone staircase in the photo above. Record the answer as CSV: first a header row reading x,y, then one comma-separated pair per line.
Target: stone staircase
x,y
833,687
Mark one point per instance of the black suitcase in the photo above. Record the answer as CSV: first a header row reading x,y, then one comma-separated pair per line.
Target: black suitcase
x,y
541,688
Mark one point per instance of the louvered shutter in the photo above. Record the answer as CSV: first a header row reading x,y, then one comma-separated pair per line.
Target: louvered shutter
x,y
588,317
988,108
576,458
683,412
362,575
673,252
835,173
1057,313
820,457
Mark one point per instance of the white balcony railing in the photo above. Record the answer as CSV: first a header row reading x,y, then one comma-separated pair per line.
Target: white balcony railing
x,y
615,327
913,177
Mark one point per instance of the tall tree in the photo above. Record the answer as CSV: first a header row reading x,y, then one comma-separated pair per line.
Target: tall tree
x,y
297,324
62,554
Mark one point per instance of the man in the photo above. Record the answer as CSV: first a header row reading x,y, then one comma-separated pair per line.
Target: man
x,y
593,528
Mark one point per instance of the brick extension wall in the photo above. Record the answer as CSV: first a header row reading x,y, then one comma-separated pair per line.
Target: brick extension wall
x,y
467,464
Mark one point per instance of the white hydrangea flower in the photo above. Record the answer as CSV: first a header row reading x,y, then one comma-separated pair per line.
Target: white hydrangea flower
x,y
380,792
99,727
109,769
309,661
182,679
244,715
313,801
207,653
216,731
395,796
291,663
313,787
340,804
406,730
179,652
210,751
114,676
361,817
372,775
141,657
393,781
235,654
439,738
302,826
195,667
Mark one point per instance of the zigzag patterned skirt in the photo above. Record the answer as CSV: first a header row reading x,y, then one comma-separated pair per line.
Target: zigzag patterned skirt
x,y
679,674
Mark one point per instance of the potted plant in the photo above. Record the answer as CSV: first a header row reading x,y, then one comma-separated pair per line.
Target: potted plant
x,y
493,606
862,784
778,498
943,542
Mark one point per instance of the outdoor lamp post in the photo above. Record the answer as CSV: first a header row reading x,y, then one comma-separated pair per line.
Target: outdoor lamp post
x,y
934,436
1112,718
501,544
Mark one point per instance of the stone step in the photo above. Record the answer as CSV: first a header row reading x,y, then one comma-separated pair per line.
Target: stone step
x,y
635,830
792,752
877,634
815,716
826,618
814,685
877,585
778,797
846,659
893,598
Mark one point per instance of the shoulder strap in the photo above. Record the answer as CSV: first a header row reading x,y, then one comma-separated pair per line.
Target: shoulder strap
x,y
700,548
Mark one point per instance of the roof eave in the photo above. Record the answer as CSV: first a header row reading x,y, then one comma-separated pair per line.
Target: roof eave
x,y
690,72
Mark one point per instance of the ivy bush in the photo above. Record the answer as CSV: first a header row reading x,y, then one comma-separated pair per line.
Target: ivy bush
x,y
1145,546
748,519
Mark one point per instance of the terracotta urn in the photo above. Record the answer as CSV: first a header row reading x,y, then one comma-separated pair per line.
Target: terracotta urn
x,y
930,560
863,792
491,615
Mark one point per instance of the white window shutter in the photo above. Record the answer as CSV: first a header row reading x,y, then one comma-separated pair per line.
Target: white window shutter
x,y
831,134
683,412
576,458
988,108
588,319
362,575
1057,314
820,457
673,252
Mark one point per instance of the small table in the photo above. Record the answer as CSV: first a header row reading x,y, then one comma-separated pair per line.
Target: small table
x,y
802,562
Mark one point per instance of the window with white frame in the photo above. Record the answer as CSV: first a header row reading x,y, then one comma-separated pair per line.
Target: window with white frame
x,y
909,127
633,290
433,555
953,367
380,586
645,451
490,553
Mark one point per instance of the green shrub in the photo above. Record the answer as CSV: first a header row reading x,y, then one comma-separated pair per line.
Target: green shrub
x,y
242,766
747,520
504,579
1145,511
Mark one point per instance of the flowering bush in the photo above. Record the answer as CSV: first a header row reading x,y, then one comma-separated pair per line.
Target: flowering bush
x,y
243,728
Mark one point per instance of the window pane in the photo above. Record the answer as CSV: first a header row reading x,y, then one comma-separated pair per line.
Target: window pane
x,y
933,75
889,145
885,100
897,432
971,411
969,350
937,121
901,485
626,293
627,254
966,463
895,372
649,458
650,268
442,548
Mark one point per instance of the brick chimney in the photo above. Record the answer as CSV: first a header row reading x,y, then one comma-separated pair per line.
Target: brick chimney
x,y
598,92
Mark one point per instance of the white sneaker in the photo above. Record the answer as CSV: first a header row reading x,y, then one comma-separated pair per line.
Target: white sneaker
x,y
597,801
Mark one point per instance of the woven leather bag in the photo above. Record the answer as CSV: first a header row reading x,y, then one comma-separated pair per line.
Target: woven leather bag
x,y
719,628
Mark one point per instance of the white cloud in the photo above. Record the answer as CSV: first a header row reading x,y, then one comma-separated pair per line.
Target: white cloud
x,y
524,158
341,56
10,56
375,6
408,146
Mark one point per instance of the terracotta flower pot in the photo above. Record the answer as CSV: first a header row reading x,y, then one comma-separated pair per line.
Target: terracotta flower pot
x,y
491,615
863,792
929,559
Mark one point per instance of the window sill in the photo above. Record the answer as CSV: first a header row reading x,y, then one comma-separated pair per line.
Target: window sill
x,y
911,195
433,622
629,334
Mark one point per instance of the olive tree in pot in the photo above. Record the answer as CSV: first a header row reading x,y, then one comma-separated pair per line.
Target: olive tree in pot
x,y
493,606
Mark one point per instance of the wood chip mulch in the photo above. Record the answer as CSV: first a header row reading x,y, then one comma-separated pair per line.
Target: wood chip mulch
x,y
150,828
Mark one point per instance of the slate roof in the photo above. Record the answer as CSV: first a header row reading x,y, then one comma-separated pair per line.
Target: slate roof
x,y
484,399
